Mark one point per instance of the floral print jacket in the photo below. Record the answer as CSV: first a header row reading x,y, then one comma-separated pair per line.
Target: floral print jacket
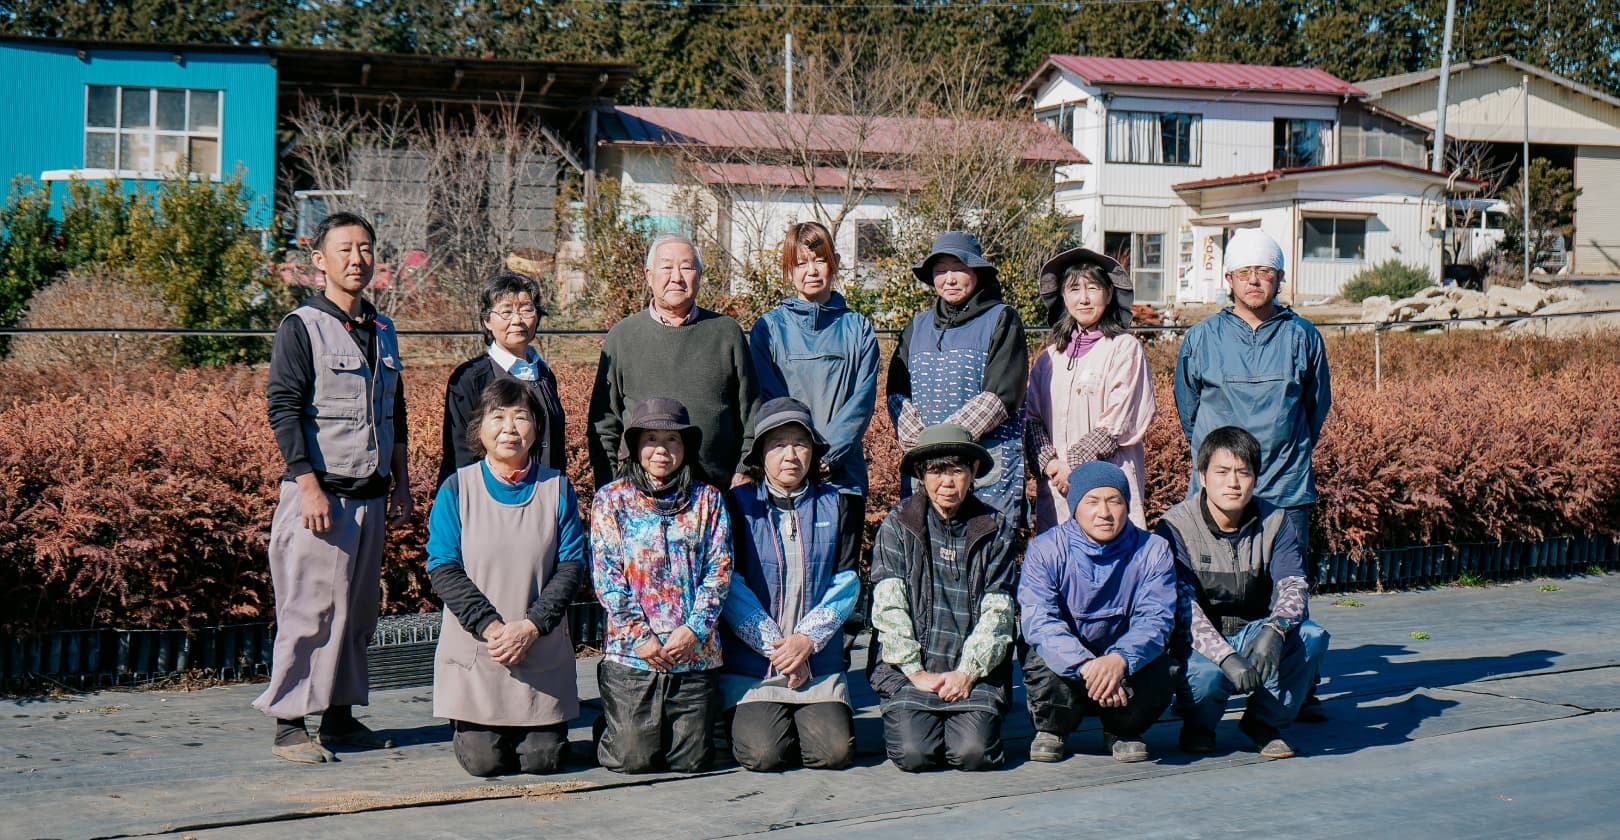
x,y
655,573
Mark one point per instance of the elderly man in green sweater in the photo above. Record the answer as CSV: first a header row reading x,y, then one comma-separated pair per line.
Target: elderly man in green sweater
x,y
680,350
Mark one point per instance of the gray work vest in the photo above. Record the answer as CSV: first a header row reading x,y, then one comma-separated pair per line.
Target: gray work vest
x,y
349,418
1233,575
509,552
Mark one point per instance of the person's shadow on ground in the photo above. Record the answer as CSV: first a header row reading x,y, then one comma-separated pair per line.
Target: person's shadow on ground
x,y
1372,700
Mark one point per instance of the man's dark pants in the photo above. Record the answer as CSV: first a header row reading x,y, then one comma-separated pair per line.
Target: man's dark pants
x,y
1058,704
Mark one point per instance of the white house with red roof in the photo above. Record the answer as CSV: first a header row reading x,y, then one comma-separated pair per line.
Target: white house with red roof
x,y
1179,154
757,172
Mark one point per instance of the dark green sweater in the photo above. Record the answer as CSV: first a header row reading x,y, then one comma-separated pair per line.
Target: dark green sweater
x,y
704,364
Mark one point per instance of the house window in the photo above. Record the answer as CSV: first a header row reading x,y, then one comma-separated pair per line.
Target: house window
x,y
1297,143
138,129
1061,119
1144,254
1148,137
872,241
1335,239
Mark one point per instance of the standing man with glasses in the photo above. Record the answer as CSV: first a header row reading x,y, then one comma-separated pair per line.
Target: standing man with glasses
x,y
337,408
1259,366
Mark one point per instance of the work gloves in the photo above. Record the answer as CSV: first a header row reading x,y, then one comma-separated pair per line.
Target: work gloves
x,y
1245,679
1264,649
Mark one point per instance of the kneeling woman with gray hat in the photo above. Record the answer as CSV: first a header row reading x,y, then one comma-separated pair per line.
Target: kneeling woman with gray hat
x,y
1090,395
661,562
798,544
942,611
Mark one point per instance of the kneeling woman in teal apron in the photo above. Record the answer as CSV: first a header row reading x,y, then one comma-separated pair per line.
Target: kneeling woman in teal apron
x,y
506,553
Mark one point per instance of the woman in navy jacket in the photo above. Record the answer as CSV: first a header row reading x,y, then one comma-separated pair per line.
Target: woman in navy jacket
x,y
795,584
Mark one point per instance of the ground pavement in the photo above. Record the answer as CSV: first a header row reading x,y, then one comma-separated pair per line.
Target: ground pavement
x,y
1480,712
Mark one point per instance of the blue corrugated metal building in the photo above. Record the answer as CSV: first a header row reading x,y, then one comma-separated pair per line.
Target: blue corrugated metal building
x,y
92,112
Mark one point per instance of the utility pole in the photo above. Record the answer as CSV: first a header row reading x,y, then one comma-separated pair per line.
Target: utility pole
x,y
1439,164
787,69
1524,171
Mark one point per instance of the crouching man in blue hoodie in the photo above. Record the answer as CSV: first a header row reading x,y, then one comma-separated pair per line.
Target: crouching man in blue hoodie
x,y
1098,596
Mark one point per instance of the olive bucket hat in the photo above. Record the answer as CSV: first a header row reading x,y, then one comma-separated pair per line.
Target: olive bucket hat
x,y
961,245
944,440
661,414
1051,282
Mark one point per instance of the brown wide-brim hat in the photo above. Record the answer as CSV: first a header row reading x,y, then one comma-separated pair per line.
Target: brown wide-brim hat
x,y
945,440
1051,282
661,414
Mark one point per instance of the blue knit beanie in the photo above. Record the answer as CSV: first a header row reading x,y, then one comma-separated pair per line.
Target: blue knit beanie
x,y
1093,474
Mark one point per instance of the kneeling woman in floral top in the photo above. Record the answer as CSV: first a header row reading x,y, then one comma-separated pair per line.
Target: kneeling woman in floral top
x,y
661,562
798,547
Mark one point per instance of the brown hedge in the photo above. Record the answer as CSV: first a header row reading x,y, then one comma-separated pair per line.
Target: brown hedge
x,y
141,496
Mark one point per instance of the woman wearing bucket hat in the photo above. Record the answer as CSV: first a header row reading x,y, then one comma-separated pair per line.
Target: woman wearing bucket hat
x,y
964,360
1090,393
661,563
814,348
942,612
798,545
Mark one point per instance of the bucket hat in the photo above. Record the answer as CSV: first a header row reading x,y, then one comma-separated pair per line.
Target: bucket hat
x,y
944,440
961,245
774,414
661,414
1051,282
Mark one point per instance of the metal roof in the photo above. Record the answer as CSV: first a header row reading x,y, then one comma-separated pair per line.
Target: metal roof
x,y
1406,169
1380,86
453,78
1197,75
826,177
629,125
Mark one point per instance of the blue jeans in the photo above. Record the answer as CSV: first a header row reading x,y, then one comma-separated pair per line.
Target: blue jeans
x,y
1278,702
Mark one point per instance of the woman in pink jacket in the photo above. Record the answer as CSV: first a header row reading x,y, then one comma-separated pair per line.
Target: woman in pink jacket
x,y
1090,395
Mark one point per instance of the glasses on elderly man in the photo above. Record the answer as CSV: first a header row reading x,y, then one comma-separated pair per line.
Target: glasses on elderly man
x,y
509,314
1255,273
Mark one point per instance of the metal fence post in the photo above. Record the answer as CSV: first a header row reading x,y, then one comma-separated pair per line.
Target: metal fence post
x,y
1378,358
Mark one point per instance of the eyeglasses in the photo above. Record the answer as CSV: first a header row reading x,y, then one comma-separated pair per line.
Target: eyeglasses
x,y
509,315
1247,274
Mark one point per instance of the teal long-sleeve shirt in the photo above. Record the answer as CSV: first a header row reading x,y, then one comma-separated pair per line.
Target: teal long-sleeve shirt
x,y
449,577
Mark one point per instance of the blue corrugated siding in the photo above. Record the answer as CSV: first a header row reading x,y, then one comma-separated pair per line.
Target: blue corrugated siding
x,y
42,125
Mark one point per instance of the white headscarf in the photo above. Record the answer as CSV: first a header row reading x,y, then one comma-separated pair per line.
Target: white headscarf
x,y
1252,247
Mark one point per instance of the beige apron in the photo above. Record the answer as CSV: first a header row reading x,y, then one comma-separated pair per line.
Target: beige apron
x,y
509,551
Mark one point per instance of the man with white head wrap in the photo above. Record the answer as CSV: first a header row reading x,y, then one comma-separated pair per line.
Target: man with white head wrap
x,y
1260,366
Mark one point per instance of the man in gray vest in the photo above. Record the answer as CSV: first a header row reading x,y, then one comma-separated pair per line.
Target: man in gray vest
x,y
337,408
1244,598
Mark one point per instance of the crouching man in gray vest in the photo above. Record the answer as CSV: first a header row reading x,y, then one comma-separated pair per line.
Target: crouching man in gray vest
x,y
338,411
1243,595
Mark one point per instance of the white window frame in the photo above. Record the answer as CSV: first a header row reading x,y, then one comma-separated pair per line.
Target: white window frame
x,y
1143,156
1333,239
147,169
1147,277
1324,138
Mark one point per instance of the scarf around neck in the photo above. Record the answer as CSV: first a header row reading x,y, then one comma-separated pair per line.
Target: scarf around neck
x,y
1121,547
